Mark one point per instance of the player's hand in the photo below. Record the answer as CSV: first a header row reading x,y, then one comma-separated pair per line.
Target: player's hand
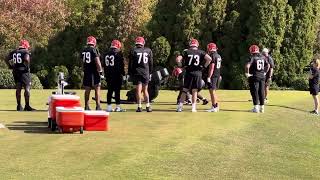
x,y
208,80
101,75
248,75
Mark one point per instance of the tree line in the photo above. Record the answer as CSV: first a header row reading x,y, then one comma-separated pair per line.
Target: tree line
x,y
58,29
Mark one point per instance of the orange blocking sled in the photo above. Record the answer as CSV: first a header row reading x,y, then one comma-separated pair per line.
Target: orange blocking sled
x,y
96,120
70,119
60,101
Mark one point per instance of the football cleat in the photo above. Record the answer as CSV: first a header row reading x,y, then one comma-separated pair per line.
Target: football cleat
x,y
29,108
139,109
109,108
194,110
315,112
205,102
179,109
19,108
149,109
119,109
255,110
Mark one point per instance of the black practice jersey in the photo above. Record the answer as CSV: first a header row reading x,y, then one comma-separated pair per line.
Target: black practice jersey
x,y
216,60
113,63
316,75
271,62
18,58
141,61
258,63
89,55
193,60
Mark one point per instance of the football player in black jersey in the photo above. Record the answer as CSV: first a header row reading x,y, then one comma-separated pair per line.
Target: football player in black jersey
x,y
140,69
19,61
214,75
265,53
194,60
314,77
113,63
256,69
92,71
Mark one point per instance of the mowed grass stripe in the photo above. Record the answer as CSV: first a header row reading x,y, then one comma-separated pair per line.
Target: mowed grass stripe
x,y
282,143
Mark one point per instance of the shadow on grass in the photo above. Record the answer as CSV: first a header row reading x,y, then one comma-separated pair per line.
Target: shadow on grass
x,y
12,110
30,127
234,110
287,107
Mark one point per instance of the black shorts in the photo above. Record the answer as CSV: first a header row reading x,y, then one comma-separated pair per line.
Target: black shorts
x,y
139,79
192,81
214,83
314,89
22,78
91,79
114,83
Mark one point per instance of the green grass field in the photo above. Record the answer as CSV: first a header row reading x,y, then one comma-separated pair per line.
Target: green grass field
x,y
283,143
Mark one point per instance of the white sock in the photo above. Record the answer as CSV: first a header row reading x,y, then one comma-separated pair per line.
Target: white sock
x,y
193,105
118,106
148,104
139,105
256,106
180,105
109,106
262,106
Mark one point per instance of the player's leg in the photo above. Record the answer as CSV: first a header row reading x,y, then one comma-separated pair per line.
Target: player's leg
x,y
146,97
255,96
26,83
87,91
267,88
213,95
139,96
316,104
262,95
194,100
18,96
117,91
186,87
97,89
109,96
182,99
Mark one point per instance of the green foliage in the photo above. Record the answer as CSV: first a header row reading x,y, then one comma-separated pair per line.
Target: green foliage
x,y
76,77
7,81
301,83
53,75
161,51
36,83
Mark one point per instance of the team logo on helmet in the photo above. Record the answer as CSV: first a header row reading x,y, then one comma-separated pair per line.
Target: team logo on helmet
x,y
194,43
91,41
116,44
254,49
24,44
212,47
140,41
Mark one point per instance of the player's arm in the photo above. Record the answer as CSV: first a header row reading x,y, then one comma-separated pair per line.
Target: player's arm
x,y
208,60
211,70
271,67
98,64
179,59
150,63
247,68
121,64
130,65
9,61
268,66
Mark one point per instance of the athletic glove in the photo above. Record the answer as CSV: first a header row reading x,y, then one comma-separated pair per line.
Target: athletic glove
x,y
101,75
248,75
209,80
150,77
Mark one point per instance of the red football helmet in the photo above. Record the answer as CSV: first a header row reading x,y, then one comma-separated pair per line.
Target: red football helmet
x,y
176,72
212,47
24,44
194,43
116,44
254,49
140,41
91,41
